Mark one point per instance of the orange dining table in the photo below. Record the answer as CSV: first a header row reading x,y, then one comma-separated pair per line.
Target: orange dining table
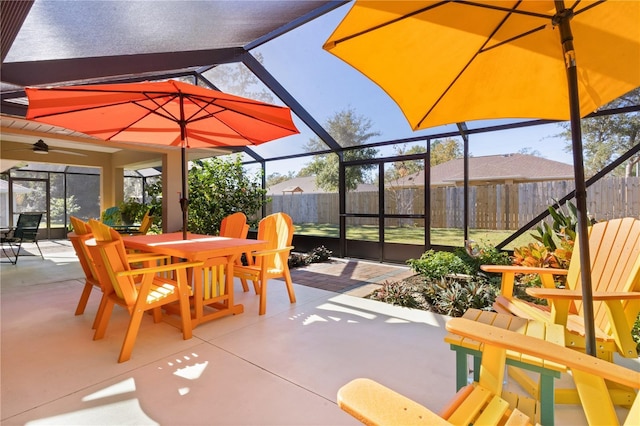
x,y
216,252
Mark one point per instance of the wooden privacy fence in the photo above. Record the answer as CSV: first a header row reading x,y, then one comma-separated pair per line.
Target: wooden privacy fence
x,y
500,207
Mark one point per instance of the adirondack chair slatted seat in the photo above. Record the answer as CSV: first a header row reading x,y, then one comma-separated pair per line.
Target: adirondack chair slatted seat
x,y
271,262
614,248
374,404
26,231
151,292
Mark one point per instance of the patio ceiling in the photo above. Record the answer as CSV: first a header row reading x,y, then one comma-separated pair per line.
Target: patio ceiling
x,y
48,42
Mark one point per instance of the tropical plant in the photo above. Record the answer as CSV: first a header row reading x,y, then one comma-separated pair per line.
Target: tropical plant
x,y
563,227
454,297
399,293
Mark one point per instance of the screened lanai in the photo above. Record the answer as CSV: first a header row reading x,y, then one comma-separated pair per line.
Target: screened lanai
x,y
272,51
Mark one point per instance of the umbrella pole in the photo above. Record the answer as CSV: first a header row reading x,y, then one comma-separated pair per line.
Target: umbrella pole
x,y
562,19
184,200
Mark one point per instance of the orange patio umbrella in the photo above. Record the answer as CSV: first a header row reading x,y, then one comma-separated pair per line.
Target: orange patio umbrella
x,y
169,113
447,62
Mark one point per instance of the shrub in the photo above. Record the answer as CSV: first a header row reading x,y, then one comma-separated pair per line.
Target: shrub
x,y
320,254
296,260
317,255
438,264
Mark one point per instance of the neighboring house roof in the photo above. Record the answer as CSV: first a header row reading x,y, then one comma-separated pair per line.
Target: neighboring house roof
x,y
307,185
492,169
17,189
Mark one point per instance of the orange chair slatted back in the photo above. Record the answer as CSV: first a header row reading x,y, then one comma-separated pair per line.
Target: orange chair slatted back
x,y
110,257
277,229
79,237
234,226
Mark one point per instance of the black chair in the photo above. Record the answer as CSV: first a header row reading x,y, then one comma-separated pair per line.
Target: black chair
x,y
26,231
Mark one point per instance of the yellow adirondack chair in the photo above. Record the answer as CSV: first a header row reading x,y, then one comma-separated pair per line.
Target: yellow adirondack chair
x,y
614,246
153,290
272,262
479,403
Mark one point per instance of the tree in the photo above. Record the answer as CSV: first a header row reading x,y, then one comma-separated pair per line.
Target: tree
x,y
606,138
401,169
527,150
445,150
239,80
349,130
276,178
218,188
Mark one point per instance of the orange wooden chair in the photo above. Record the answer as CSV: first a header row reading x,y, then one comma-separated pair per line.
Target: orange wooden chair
x,y
213,271
153,290
271,262
234,226
79,237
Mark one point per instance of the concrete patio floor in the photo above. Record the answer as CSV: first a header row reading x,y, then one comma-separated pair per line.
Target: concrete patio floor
x,y
283,368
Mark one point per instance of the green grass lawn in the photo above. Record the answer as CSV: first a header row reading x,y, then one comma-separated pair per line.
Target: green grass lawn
x,y
412,235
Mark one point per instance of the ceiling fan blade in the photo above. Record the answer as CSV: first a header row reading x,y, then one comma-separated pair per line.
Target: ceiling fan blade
x,y
61,151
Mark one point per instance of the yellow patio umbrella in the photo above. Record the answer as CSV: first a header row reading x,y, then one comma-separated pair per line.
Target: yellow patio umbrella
x,y
446,62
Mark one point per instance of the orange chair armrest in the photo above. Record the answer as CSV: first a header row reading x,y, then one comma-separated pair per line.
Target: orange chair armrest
x,y
142,257
162,268
272,251
522,269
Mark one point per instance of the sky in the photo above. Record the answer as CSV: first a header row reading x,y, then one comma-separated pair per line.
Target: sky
x,y
324,85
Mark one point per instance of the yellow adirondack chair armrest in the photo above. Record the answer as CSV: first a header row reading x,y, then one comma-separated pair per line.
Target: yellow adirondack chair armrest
x,y
619,295
510,340
272,251
161,268
522,269
374,404
550,293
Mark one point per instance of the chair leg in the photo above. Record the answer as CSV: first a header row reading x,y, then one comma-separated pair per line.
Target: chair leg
x,y
100,312
287,280
263,293
132,334
157,314
245,286
84,298
103,321
13,255
38,245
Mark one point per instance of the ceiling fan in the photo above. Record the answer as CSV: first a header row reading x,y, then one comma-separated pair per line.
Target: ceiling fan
x,y
41,147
